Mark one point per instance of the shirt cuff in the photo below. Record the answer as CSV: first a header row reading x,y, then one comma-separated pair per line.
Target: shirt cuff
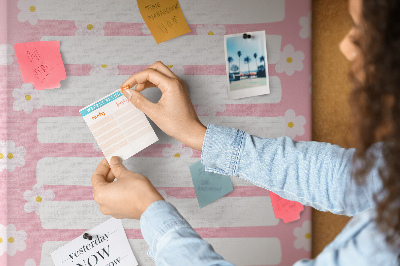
x,y
221,150
158,219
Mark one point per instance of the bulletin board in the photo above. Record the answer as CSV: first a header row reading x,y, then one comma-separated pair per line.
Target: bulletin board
x,y
49,155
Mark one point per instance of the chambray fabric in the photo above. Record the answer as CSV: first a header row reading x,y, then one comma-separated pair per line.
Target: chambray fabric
x,y
312,173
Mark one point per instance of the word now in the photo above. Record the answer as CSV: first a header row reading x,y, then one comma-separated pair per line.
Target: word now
x,y
93,259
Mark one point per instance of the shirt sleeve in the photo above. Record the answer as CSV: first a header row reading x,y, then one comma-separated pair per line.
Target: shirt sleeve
x,y
316,174
172,241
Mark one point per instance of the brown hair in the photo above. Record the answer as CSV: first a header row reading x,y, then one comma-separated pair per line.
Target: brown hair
x,y
375,103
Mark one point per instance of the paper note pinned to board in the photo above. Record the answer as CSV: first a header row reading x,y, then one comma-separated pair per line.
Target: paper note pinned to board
x,y
288,211
41,63
164,18
118,126
209,186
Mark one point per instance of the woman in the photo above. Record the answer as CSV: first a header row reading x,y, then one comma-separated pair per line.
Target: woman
x,y
360,182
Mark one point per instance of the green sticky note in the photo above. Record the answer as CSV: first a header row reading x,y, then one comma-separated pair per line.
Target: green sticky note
x,y
209,186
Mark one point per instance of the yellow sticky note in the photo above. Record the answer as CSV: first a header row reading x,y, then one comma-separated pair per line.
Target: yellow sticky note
x,y
164,19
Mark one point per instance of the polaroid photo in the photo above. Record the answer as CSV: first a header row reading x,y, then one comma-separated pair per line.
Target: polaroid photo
x,y
246,64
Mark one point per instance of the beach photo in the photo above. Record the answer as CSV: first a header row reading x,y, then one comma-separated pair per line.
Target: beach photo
x,y
246,64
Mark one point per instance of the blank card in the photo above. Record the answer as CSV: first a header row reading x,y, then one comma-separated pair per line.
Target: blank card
x,y
118,126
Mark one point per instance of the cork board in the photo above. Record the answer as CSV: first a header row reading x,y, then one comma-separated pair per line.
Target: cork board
x,y
330,94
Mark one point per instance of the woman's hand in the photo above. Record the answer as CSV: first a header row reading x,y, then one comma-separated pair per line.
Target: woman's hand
x,y
127,197
174,113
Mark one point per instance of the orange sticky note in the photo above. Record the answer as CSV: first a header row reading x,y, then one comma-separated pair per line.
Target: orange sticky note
x,y
284,209
41,63
164,18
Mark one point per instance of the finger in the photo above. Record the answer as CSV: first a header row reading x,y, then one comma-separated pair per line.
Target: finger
x,y
160,67
159,80
118,169
140,102
100,174
142,86
110,177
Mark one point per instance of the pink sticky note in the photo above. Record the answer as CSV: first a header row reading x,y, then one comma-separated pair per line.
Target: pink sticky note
x,y
286,210
41,63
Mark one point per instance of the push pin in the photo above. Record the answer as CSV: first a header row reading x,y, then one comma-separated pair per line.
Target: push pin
x,y
246,36
87,236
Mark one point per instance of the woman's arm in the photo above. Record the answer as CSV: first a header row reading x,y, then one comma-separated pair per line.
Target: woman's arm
x,y
313,173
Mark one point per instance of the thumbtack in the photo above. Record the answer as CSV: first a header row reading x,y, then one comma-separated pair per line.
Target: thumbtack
x,y
87,236
246,36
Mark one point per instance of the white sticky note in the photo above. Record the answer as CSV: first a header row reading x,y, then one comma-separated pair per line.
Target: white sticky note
x,y
118,126
108,246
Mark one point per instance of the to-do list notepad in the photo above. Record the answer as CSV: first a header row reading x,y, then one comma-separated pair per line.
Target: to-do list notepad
x,y
118,126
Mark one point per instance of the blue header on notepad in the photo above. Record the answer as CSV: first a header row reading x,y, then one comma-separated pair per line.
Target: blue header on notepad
x,y
100,103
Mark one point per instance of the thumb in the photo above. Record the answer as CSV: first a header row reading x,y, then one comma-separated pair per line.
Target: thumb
x,y
117,168
138,100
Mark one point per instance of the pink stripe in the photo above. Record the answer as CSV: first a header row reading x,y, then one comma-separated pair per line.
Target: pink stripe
x,y
77,70
63,193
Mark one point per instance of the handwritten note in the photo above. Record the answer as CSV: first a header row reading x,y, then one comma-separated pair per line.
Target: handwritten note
x,y
108,246
164,18
288,211
41,63
209,186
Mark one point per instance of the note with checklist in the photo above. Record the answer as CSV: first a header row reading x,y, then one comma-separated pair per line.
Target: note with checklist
x,y
118,126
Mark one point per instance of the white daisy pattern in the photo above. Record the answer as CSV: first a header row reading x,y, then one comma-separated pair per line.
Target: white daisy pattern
x,y
145,30
6,52
30,262
35,197
176,150
87,28
28,11
303,236
11,157
210,109
177,69
11,240
210,30
104,70
290,61
295,124
305,23
27,98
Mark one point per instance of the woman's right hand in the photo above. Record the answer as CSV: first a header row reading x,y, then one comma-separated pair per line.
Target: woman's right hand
x,y
174,112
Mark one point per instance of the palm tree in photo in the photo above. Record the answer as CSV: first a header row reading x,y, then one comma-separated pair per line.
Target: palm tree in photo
x,y
239,54
247,60
230,60
255,57
262,59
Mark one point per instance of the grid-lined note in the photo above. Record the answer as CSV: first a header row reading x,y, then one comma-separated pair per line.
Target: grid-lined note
x,y
118,126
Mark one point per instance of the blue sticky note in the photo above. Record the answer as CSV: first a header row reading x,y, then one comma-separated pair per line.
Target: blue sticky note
x,y
209,186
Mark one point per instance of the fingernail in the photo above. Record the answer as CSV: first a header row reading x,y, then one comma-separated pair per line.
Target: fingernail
x,y
128,94
115,160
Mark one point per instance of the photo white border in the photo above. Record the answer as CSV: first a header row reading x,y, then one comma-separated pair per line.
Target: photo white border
x,y
247,92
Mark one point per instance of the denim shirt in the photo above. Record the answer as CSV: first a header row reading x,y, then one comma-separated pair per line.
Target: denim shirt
x,y
313,173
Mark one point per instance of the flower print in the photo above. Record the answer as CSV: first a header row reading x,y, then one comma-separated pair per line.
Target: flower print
x,y
27,98
177,69
30,262
6,52
210,30
176,150
295,124
11,240
104,70
303,236
28,11
11,156
89,28
35,197
145,30
210,109
290,61
305,23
